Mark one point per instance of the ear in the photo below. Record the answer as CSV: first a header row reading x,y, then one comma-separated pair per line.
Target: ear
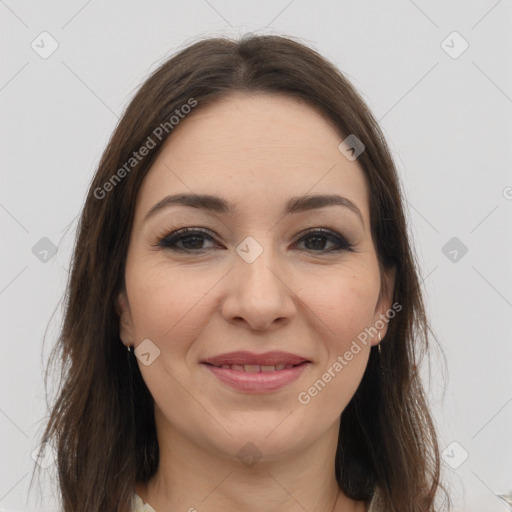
x,y
384,305
125,319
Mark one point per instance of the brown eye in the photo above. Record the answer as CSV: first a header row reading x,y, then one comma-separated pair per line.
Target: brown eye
x,y
320,237
192,241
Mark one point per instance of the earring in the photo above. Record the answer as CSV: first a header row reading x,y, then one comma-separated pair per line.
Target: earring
x,y
378,346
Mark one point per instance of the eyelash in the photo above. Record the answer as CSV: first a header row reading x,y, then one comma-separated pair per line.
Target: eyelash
x,y
170,240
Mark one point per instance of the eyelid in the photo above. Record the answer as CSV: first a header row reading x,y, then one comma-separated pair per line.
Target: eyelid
x,y
178,232
340,240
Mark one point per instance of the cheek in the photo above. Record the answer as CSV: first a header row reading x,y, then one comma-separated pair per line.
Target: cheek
x,y
168,307
345,308
344,303
167,303
329,393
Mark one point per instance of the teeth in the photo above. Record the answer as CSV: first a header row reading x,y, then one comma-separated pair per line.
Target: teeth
x,y
254,368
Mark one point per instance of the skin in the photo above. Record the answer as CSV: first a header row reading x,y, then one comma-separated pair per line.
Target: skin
x,y
256,151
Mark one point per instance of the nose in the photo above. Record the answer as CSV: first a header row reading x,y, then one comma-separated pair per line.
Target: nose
x,y
260,293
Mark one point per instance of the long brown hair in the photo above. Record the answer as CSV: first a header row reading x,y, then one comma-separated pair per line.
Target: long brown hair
x,y
102,421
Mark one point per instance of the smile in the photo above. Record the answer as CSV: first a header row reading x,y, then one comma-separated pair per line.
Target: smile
x,y
254,378
255,368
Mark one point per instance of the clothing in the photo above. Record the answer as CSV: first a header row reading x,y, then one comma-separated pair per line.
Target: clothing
x,y
140,506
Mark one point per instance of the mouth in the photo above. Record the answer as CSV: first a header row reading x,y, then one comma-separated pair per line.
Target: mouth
x,y
250,362
255,368
257,373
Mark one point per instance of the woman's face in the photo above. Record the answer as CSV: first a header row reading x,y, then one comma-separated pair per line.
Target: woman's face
x,y
256,274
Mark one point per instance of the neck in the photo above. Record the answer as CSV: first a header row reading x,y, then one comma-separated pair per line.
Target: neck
x,y
191,478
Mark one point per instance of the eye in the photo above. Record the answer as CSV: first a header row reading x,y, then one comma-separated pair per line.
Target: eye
x,y
321,236
192,239
191,242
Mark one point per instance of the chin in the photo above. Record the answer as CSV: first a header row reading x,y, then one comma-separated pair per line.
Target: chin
x,y
259,440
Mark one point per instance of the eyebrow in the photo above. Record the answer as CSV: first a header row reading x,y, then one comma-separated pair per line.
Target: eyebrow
x,y
218,205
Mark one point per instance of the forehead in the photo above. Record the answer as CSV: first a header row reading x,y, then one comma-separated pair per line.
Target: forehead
x,y
260,147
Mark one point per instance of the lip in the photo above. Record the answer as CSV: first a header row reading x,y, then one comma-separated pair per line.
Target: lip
x,y
266,359
257,382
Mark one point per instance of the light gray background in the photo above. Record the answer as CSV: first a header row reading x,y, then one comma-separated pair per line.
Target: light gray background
x,y
448,122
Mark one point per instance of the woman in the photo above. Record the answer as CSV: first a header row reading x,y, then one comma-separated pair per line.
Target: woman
x,y
244,316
